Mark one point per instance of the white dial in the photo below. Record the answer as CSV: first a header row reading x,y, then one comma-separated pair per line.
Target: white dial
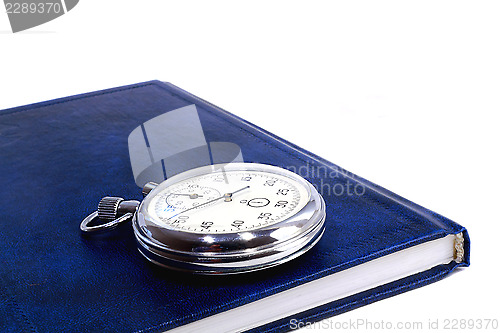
x,y
229,201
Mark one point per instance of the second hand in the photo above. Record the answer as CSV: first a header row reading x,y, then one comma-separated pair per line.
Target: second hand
x,y
227,196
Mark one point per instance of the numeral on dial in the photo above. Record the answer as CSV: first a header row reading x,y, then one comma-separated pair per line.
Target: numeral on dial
x,y
281,204
264,216
270,182
206,224
283,191
169,208
237,223
181,219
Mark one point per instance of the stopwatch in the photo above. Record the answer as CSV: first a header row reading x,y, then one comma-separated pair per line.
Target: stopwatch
x,y
220,219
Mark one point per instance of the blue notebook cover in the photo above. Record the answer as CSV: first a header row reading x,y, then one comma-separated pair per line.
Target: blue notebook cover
x,y
58,158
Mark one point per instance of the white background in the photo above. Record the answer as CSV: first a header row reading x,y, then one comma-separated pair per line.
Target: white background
x,y
405,94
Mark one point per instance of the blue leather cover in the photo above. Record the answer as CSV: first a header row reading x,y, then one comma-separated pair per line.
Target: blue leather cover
x,y
58,158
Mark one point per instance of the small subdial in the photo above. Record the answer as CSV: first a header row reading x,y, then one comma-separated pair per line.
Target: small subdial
x,y
258,202
191,196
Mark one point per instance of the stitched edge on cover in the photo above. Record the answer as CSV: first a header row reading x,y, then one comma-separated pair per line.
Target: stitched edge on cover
x,y
70,99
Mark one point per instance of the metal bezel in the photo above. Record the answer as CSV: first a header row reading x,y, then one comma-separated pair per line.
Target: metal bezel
x,y
232,252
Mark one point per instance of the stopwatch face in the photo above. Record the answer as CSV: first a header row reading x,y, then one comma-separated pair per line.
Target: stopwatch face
x,y
231,218
229,201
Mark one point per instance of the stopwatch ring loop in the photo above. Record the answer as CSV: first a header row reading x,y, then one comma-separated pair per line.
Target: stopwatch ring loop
x,y
84,226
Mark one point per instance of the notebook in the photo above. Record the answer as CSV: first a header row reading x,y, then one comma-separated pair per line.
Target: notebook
x,y
58,158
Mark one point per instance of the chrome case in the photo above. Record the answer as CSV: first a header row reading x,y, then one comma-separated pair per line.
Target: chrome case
x,y
229,253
